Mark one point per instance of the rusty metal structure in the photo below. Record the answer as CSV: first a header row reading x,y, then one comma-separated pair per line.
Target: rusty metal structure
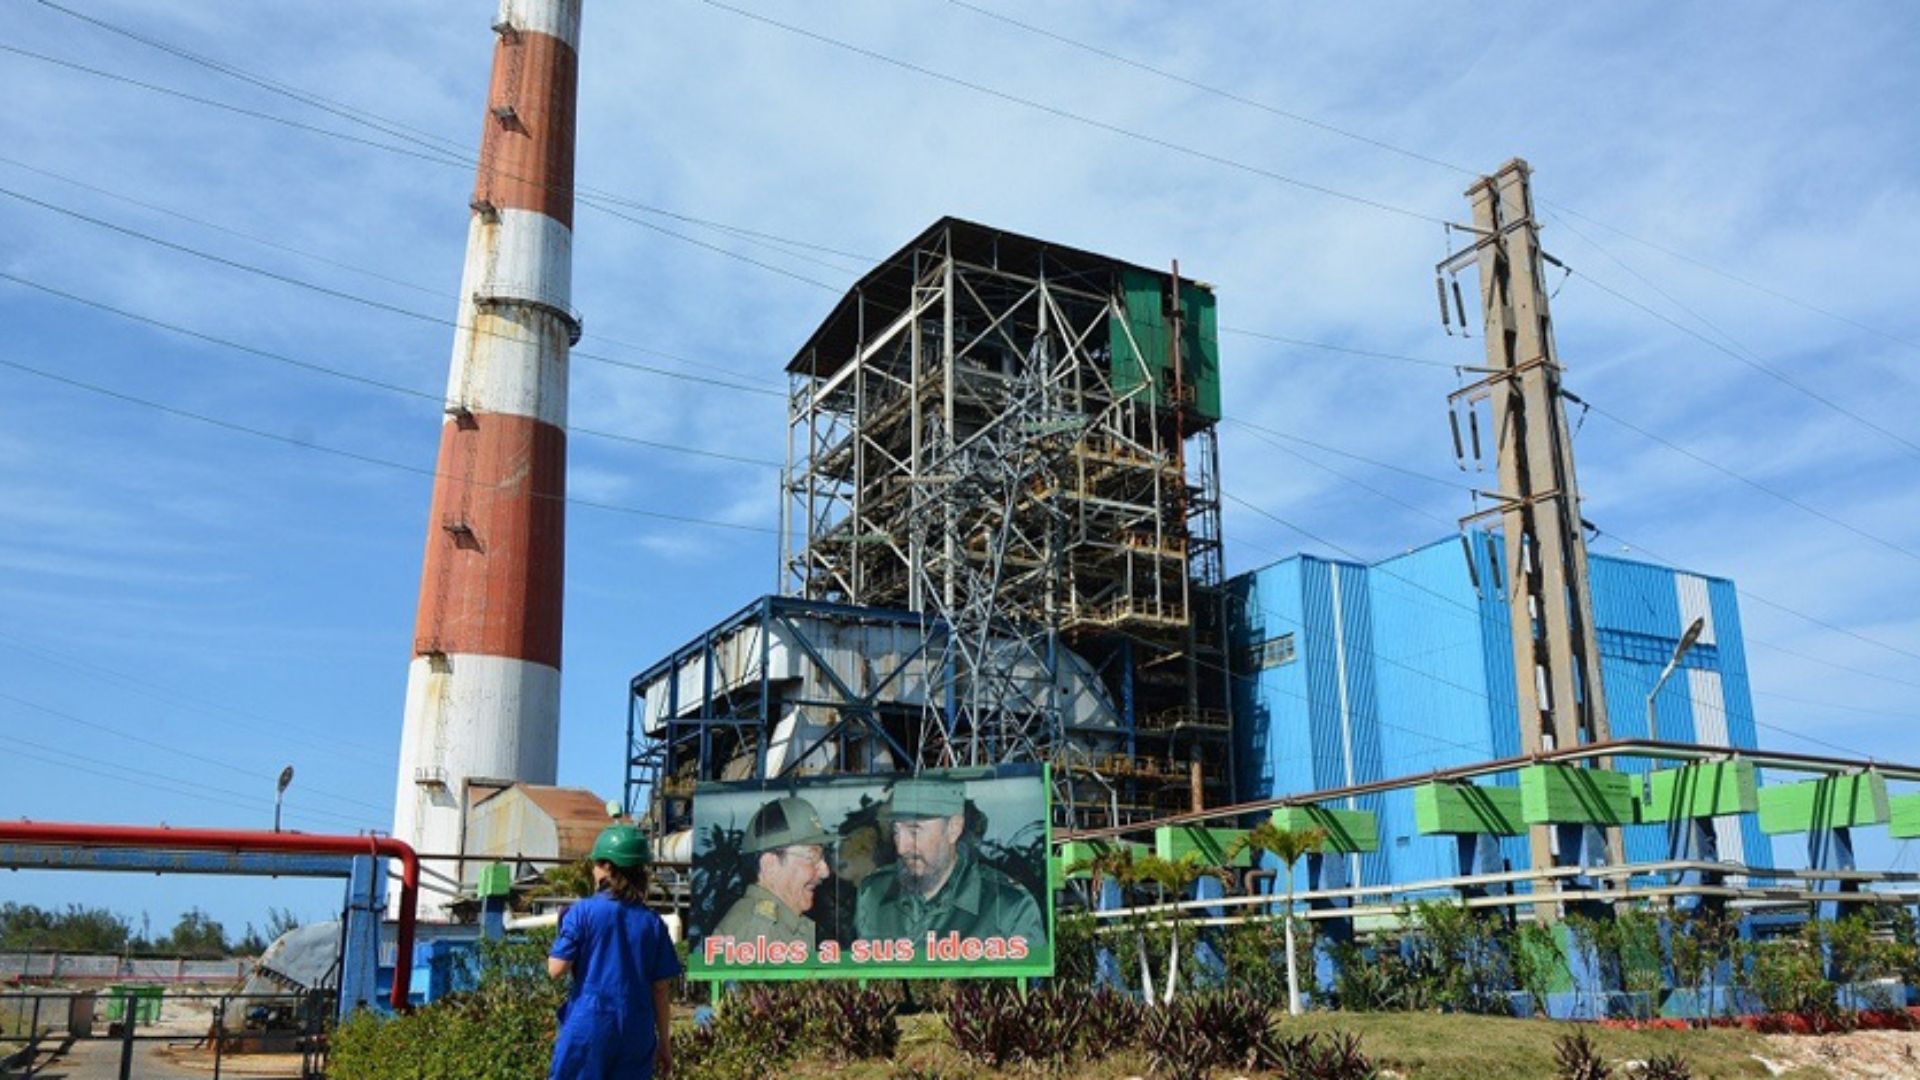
x,y
483,690
1014,441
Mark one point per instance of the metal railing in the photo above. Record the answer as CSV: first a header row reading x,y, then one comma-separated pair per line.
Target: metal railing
x,y
70,1031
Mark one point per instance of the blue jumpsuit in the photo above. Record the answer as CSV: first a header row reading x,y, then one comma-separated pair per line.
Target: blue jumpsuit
x,y
618,952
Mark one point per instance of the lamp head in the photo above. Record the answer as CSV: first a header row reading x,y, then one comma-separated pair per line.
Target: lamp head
x,y
286,777
1692,636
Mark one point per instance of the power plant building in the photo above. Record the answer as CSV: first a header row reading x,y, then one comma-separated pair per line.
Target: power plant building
x,y
1001,542
1354,673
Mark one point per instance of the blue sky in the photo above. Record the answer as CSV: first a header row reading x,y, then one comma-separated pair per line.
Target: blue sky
x,y
184,608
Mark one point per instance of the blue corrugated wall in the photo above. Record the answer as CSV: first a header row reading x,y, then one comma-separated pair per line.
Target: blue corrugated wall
x,y
1423,642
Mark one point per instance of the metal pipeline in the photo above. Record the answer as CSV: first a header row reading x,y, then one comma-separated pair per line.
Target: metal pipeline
x,y
166,839
1786,761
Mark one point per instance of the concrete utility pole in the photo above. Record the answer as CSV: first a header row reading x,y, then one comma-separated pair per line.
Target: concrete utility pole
x,y
1555,656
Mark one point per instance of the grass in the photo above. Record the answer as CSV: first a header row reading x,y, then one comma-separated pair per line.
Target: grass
x,y
1420,1046
1436,1047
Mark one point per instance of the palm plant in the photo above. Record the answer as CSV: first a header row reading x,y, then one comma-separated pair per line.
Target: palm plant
x,y
1287,846
1175,877
1119,864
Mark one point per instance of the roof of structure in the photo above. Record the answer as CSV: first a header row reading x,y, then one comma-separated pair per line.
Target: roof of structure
x,y
888,287
578,814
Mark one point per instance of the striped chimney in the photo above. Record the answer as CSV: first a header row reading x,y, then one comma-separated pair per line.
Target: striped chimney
x,y
483,691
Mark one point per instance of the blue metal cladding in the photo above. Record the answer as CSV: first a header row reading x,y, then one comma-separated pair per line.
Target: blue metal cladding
x,y
1423,641
1736,690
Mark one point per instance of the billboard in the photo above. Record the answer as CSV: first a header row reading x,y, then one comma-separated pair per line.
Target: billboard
x,y
940,875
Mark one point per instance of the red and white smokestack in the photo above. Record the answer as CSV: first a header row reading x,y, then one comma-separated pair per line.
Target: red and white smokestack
x,y
483,692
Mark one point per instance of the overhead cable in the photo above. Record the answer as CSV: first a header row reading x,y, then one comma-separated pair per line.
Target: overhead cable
x,y
354,455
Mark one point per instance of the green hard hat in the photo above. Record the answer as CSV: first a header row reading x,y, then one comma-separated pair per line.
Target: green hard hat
x,y
784,823
622,845
925,798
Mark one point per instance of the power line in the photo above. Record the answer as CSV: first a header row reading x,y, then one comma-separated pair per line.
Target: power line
x,y
1779,376
1079,118
399,129
287,279
1744,593
1195,84
702,365
1416,155
1752,483
1454,485
249,722
377,384
435,156
1324,346
1911,717
354,298
1737,279
392,308
175,786
368,459
167,749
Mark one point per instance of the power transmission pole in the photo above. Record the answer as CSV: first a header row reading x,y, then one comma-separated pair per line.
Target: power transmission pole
x,y
1555,656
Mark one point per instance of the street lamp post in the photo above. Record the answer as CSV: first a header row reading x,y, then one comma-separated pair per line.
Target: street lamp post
x,y
280,790
1687,641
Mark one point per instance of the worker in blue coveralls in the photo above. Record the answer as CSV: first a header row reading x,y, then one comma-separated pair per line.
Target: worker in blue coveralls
x,y
615,1021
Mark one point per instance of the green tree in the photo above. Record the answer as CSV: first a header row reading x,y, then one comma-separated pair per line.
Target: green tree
x,y
1117,863
76,929
1534,957
1287,847
1175,877
196,934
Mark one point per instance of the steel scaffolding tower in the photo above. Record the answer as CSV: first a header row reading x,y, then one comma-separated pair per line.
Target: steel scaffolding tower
x,y
995,432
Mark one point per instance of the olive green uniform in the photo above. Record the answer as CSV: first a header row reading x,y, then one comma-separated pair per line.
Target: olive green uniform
x,y
976,901
759,912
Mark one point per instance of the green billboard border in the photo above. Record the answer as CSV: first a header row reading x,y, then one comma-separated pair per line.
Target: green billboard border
x,y
812,969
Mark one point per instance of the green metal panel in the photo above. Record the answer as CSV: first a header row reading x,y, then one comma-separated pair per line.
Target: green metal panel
x,y
496,879
1348,831
1082,851
1904,816
1707,790
1467,808
1139,342
1568,795
1832,802
1175,841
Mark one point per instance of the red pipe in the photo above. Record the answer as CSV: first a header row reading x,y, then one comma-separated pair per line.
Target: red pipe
x,y
140,836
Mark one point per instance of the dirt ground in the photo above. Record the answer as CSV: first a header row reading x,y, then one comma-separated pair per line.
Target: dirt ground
x,y
1862,1055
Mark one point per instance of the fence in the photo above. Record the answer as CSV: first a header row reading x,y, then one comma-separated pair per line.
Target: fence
x,y
75,1033
43,968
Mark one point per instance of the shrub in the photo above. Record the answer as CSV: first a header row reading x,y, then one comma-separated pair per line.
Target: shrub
x,y
1203,1032
1332,1056
1075,948
502,1030
1381,979
1787,975
1576,1058
1111,1022
1458,950
1535,961
852,1023
1664,1067
997,1026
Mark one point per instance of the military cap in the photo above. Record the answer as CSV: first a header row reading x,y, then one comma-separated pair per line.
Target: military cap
x,y
784,823
925,798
